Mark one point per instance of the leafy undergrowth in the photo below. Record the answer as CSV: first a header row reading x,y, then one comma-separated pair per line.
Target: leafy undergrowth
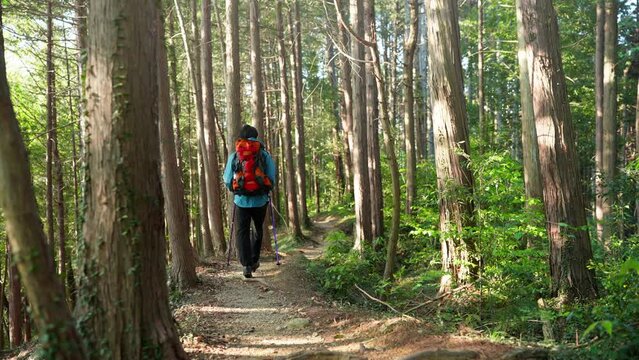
x,y
503,303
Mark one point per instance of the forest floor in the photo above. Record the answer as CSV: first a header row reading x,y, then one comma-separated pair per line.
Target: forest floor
x,y
280,313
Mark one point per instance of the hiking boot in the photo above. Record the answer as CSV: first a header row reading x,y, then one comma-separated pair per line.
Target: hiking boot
x,y
247,272
255,266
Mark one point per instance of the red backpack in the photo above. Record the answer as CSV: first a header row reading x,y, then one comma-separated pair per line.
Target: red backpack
x,y
249,177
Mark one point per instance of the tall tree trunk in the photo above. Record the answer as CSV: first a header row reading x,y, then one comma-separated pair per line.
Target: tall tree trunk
x,y
532,177
347,110
361,185
291,193
233,110
409,114
481,101
389,143
609,126
15,302
52,119
182,257
206,247
26,235
422,69
124,252
192,54
296,40
257,82
51,130
570,249
257,96
372,115
232,76
599,71
454,178
338,159
211,164
175,94
70,279
81,42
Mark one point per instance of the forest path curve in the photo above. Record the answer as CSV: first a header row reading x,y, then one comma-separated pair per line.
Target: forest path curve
x,y
279,313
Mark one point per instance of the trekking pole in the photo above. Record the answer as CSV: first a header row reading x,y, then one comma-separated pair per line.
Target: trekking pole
x,y
228,255
277,254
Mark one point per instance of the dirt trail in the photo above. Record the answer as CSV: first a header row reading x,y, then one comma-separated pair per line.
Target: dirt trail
x,y
278,313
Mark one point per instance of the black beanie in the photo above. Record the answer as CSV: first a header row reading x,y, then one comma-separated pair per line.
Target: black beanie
x,y
248,132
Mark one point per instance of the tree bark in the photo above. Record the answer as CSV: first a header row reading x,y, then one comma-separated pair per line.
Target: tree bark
x,y
389,143
570,249
291,192
211,164
26,236
123,261
609,125
233,110
192,54
409,114
338,159
257,95
599,71
15,302
372,115
52,119
51,131
532,177
481,101
454,178
347,109
182,257
175,94
300,154
361,186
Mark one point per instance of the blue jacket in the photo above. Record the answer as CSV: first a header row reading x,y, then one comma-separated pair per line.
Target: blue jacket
x,y
247,201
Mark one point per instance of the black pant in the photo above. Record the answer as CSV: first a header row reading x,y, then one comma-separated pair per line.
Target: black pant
x,y
248,247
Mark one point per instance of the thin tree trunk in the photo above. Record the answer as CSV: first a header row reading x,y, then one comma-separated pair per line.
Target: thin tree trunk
x,y
347,109
454,178
337,144
481,106
124,245
389,143
300,155
175,94
409,114
182,257
15,302
257,96
194,72
81,34
211,164
570,249
372,115
51,130
206,247
57,162
291,192
233,109
361,186
26,236
599,71
609,126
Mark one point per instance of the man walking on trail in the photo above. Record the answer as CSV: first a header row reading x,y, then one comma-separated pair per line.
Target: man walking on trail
x,y
250,174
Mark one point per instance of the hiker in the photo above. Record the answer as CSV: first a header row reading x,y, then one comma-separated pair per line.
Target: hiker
x,y
250,174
